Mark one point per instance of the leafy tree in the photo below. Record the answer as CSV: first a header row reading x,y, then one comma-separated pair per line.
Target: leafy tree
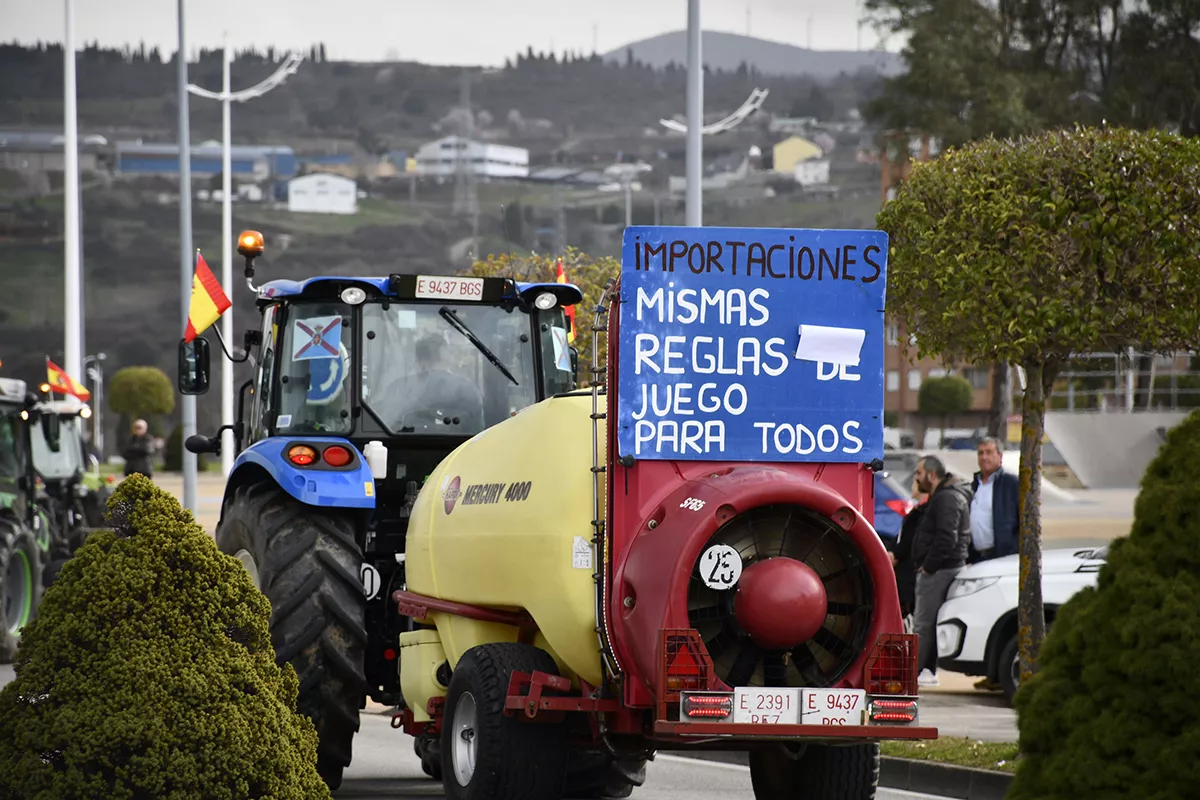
x,y
589,274
943,397
149,672
1107,714
1027,251
141,392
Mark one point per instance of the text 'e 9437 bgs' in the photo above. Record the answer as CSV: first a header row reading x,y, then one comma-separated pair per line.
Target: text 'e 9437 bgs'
x,y
752,344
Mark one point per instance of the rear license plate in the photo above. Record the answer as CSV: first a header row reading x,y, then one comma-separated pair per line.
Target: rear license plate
x,y
766,706
832,706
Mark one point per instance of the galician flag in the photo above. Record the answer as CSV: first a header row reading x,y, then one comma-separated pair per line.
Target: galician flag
x,y
561,277
208,301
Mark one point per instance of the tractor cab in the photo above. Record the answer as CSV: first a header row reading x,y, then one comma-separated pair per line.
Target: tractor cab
x,y
18,479
74,493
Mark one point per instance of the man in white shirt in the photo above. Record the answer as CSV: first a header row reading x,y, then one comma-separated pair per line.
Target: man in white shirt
x,y
994,518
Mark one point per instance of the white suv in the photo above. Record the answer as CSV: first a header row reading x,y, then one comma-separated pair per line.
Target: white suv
x,y
977,625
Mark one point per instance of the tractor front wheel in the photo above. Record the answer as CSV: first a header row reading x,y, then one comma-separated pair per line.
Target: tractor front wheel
x,y
306,560
20,584
487,754
820,772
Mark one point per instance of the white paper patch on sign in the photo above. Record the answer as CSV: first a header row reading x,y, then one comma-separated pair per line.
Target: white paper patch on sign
x,y
449,288
581,554
830,345
316,337
284,421
562,353
720,567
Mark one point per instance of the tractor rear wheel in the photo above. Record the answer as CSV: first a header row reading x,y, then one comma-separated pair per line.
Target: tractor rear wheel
x,y
306,561
820,772
487,754
20,584
595,775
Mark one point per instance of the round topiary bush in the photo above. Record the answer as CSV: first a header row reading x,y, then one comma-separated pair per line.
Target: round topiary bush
x,y
149,672
1109,712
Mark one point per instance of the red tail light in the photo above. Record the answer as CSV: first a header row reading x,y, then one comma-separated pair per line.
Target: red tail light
x,y
301,455
901,507
892,666
336,456
685,666
710,707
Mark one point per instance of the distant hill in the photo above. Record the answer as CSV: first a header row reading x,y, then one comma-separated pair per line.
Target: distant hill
x,y
726,51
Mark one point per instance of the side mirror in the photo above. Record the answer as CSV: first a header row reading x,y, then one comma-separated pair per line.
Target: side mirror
x,y
193,366
199,444
52,430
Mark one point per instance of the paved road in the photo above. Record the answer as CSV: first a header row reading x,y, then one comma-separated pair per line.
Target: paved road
x,y
384,766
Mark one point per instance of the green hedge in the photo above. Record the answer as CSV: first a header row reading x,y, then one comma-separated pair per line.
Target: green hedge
x,y
149,672
1110,712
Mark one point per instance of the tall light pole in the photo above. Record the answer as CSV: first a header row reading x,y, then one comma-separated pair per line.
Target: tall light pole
x,y
186,264
226,96
72,316
695,116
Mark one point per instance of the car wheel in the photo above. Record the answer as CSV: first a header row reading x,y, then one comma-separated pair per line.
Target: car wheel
x,y
1010,669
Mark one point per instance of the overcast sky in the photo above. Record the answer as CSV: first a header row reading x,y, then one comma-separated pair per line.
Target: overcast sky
x,y
445,32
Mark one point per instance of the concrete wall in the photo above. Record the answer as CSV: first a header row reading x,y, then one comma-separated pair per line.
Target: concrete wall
x,y
1109,450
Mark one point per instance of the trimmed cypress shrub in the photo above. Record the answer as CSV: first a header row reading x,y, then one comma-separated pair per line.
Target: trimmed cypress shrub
x,y
1109,713
149,672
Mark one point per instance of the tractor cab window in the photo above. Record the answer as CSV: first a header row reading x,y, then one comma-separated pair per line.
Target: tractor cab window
x,y
67,461
12,448
313,392
554,330
452,369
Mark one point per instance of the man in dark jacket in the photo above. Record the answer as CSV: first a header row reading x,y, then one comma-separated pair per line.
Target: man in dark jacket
x,y
139,452
993,505
939,550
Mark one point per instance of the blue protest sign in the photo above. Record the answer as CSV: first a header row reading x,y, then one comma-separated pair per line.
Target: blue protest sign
x,y
751,344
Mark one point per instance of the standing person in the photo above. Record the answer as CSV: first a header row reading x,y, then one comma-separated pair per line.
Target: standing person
x,y
939,550
993,506
139,451
901,551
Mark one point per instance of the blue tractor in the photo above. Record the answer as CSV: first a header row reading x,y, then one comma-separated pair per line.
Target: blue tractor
x,y
361,387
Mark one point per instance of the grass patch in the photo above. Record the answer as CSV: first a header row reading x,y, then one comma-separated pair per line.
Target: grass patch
x,y
962,752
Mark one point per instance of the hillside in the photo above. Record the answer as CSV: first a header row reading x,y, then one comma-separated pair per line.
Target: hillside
x,y
728,51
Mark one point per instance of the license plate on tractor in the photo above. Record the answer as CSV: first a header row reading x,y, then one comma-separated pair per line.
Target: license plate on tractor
x,y
799,706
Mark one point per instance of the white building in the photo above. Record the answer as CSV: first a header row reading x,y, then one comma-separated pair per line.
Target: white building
x,y
439,159
319,193
813,172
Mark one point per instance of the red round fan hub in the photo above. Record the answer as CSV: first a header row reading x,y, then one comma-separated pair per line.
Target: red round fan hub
x,y
780,603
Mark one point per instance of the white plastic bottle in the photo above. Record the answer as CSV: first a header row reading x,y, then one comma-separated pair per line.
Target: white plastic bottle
x,y
376,454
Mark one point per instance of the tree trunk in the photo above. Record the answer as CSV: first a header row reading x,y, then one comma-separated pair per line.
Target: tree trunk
x,y
1031,621
1001,400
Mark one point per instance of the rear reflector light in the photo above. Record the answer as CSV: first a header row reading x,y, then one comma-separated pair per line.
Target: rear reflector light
x,y
301,455
892,665
336,456
708,707
893,712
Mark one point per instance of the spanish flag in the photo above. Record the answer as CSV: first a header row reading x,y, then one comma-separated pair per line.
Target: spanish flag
x,y
63,383
208,301
561,277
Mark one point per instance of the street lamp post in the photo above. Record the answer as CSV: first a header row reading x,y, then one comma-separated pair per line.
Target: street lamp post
x,y
695,116
96,373
227,96
72,318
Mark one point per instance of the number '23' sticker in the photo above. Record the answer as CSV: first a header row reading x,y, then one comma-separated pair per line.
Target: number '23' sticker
x,y
720,567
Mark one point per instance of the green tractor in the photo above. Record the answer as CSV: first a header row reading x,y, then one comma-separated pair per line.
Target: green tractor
x,y
73,494
24,526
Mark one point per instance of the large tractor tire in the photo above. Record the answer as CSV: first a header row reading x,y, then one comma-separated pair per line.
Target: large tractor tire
x,y
20,584
820,772
488,755
306,561
595,775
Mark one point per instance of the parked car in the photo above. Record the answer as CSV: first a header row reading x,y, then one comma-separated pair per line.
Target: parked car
x,y
977,625
892,504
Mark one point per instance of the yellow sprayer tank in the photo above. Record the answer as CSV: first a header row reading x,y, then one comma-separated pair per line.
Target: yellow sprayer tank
x,y
505,522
